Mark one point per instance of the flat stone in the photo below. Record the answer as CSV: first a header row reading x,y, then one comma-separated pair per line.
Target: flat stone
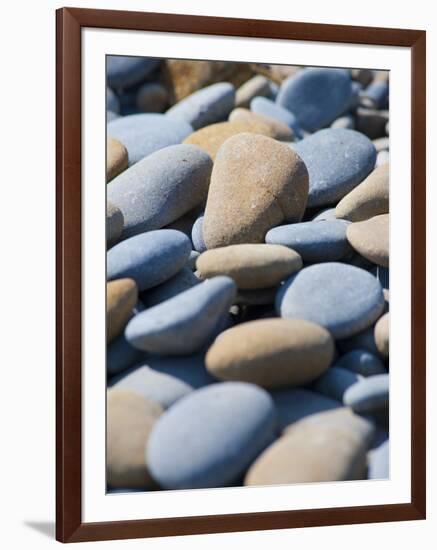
x,y
368,394
209,438
361,362
337,161
255,184
328,446
129,421
316,96
334,382
342,298
152,98
370,238
145,133
150,258
183,280
266,107
315,241
251,266
116,158
277,129
114,223
161,188
120,356
379,461
273,353
382,335
258,85
121,297
126,71
185,323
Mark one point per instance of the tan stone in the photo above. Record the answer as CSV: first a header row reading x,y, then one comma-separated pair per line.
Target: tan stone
x,y
278,129
272,353
114,223
382,334
327,446
116,158
256,184
121,297
258,85
370,238
130,419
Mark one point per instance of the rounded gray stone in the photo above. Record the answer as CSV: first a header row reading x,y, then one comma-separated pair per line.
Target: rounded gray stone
x,y
334,382
126,71
361,362
369,394
197,235
183,280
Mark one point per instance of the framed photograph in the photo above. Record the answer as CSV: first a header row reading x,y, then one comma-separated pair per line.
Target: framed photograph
x,y
240,275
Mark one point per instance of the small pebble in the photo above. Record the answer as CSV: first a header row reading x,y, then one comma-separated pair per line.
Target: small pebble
x,y
361,362
266,107
152,98
258,85
382,339
368,394
121,297
114,223
116,158
278,130
334,382
370,238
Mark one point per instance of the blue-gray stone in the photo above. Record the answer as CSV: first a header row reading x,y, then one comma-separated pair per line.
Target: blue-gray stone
x,y
120,356
266,107
183,280
334,382
145,133
337,161
188,368
126,71
378,460
315,241
369,394
112,101
316,96
185,323
361,362
342,298
364,339
209,438
161,188
375,95
150,258
325,214
197,235
205,106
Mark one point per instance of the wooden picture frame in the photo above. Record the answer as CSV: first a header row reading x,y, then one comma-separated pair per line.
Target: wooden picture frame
x,y
69,525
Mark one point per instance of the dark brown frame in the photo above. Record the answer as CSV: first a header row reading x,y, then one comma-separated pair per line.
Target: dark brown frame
x,y
69,526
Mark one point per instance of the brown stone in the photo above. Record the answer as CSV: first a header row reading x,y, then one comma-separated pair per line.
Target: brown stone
x,y
382,334
278,73
116,158
121,297
278,129
256,86
370,238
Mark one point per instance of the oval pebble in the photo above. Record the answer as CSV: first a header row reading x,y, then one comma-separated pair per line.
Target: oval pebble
x,y
277,129
150,258
197,235
361,362
258,85
126,71
368,394
266,107
121,297
116,158
342,298
183,280
382,339
209,438
271,352
152,98
114,223
370,238
334,382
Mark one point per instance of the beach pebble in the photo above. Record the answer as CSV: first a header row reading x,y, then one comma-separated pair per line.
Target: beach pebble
x,y
381,144
266,107
345,121
251,266
114,223
150,258
277,73
364,339
315,241
370,238
324,214
361,362
328,446
316,96
126,71
121,297
368,394
116,158
337,161
129,421
379,462
273,353
161,188
382,339
382,158
209,438
371,122
152,98
120,356
342,298
185,323
258,85
112,101
256,183
277,130
190,369
197,235
145,133
191,264
334,382
183,280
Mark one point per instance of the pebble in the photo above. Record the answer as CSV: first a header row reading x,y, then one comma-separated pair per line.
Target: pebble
x,y
361,362
258,85
205,106
114,223
272,353
129,421
145,133
120,356
197,235
126,71
370,238
251,266
337,161
381,144
152,98
328,446
345,121
364,339
185,323
382,158
116,158
150,258
190,369
371,122
193,259
342,298
325,214
183,280
368,394
161,188
382,339
375,96
256,183
317,96
112,101
315,241
209,438
121,297
334,382
379,462
266,107
277,73
277,129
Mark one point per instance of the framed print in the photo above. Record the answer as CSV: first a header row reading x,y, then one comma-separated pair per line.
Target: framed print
x,y
240,275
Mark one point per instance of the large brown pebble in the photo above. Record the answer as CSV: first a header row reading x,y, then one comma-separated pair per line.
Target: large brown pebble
x,y
256,184
382,334
116,158
278,129
130,419
250,265
114,223
121,297
370,238
327,446
272,353
369,199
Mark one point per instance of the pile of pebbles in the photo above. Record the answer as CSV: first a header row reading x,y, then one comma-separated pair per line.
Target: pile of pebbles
x,y
248,274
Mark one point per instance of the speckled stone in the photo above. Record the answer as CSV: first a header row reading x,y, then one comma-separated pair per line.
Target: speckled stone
x,y
150,258
382,336
370,238
183,280
337,161
328,446
152,98
120,356
379,461
342,298
114,223
277,129
361,362
121,297
334,382
368,394
255,184
258,85
315,241
161,188
205,106
317,96
251,266
209,438
116,158
130,419
112,101
145,133
126,71
272,353
266,107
